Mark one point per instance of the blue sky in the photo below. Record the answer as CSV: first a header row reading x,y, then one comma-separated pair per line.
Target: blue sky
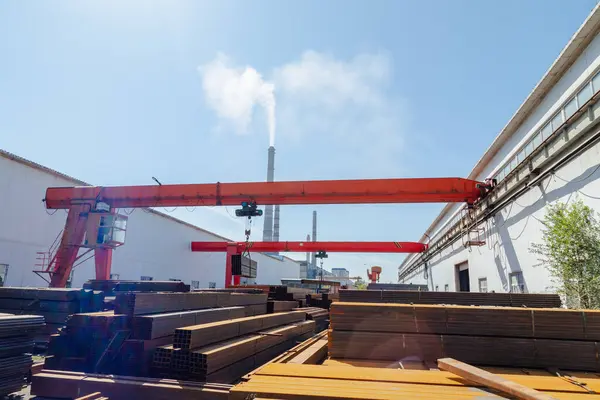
x,y
115,92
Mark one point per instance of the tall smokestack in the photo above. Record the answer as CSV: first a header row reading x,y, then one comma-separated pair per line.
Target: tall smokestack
x,y
314,238
307,253
306,272
268,222
276,224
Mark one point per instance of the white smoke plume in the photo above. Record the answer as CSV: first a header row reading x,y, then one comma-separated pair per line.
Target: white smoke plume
x,y
234,91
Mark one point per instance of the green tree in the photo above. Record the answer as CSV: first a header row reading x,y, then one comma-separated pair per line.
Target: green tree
x,y
360,285
571,252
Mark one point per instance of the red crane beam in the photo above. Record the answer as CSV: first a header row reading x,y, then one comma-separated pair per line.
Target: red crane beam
x,y
360,191
80,200
312,247
232,248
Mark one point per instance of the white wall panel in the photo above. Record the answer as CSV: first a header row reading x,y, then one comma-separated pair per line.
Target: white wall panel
x,y
510,234
156,245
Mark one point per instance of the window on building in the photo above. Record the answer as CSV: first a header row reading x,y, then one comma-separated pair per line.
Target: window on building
x,y
483,288
437,288
517,284
212,285
596,83
571,107
529,148
446,288
521,156
195,284
546,131
537,140
115,277
557,121
500,176
146,278
584,95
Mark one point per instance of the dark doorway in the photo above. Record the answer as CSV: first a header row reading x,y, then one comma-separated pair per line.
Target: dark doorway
x,y
462,277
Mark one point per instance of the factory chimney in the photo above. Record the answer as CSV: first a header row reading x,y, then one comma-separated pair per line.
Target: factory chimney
x,y
307,253
305,271
314,239
268,222
276,224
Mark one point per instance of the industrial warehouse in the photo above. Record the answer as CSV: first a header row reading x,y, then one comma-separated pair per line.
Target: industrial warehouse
x,y
547,152
104,294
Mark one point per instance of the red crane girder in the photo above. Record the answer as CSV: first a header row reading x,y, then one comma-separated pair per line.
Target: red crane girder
x,y
312,247
359,191
79,200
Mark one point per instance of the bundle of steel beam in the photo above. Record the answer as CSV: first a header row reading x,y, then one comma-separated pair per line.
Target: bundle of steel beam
x,y
72,385
192,337
159,325
396,286
274,306
539,323
125,343
55,305
496,336
316,382
321,300
111,287
275,292
151,303
16,342
479,350
458,298
224,351
319,315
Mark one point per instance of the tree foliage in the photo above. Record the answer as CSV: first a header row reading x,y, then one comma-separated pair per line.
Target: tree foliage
x,y
360,285
571,252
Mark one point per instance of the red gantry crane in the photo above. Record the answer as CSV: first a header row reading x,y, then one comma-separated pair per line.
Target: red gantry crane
x,y
93,222
240,248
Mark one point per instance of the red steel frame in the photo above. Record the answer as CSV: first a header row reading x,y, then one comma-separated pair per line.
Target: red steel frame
x,y
232,248
79,200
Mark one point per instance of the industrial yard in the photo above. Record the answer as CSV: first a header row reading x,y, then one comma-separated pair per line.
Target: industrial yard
x,y
109,291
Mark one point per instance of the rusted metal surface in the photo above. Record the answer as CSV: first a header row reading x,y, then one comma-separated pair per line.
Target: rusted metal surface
x,y
459,298
65,384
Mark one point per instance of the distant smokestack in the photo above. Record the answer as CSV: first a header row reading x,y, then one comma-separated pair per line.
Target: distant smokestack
x,y
314,237
307,273
268,222
276,224
307,253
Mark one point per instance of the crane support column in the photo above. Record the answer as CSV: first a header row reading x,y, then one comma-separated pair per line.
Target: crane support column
x,y
62,263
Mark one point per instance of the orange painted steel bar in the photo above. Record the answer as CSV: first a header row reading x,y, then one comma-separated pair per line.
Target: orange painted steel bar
x,y
301,247
360,191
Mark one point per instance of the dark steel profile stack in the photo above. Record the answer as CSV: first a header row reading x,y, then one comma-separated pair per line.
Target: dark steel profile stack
x,y
55,305
123,341
489,336
319,315
458,298
224,351
16,344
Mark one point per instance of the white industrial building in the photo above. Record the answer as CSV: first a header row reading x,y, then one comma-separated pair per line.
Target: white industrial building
x,y
549,151
157,245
